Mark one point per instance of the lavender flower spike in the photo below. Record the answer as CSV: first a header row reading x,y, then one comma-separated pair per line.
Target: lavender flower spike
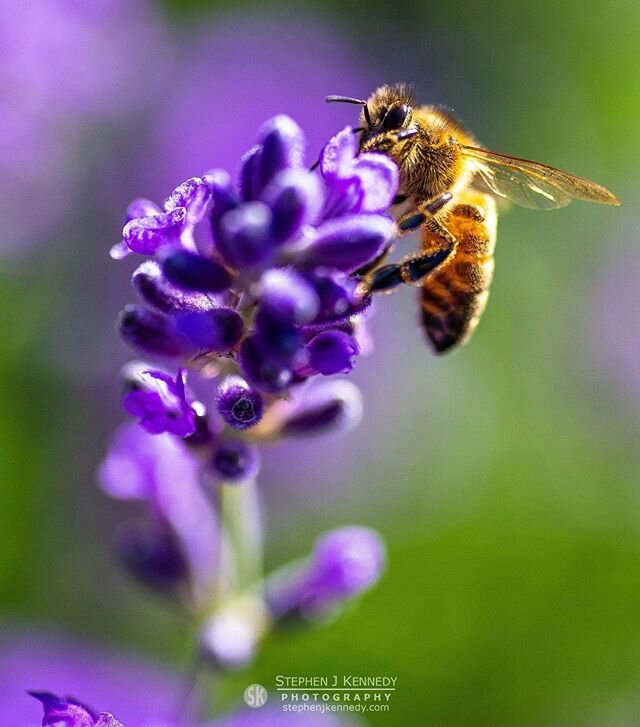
x,y
262,318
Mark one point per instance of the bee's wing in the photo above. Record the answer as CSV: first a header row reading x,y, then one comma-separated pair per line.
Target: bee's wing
x,y
535,185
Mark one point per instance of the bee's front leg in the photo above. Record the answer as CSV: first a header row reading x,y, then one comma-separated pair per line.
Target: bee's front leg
x,y
423,216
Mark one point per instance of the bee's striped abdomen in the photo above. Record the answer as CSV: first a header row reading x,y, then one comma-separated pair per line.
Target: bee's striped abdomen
x,y
454,297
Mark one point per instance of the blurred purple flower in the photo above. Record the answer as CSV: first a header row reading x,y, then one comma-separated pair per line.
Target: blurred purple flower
x,y
329,407
345,563
160,472
64,65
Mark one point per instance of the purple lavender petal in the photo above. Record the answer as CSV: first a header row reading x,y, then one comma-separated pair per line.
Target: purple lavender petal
x,y
161,403
192,195
365,183
343,197
280,339
146,235
249,173
244,237
281,144
338,155
194,272
141,207
218,330
223,196
152,333
379,177
296,197
332,352
239,405
349,242
120,250
159,293
48,700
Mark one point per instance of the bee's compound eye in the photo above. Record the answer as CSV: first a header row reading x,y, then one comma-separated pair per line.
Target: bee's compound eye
x,y
395,118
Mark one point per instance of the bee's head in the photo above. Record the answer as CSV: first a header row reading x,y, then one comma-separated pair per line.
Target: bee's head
x,y
386,112
389,108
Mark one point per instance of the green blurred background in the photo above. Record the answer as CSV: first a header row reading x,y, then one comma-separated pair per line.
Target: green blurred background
x,y
505,478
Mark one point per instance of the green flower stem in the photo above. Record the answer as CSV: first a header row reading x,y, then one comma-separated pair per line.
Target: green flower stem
x,y
240,514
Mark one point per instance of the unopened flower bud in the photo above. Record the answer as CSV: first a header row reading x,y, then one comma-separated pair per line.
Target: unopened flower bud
x,y
235,460
152,333
191,271
239,404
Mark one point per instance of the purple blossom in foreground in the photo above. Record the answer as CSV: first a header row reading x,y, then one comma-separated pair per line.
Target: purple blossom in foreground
x,y
67,713
138,692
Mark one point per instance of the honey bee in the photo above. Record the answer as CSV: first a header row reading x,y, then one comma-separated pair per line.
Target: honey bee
x,y
442,168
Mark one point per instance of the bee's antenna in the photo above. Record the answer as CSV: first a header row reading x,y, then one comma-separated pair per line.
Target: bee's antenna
x,y
350,99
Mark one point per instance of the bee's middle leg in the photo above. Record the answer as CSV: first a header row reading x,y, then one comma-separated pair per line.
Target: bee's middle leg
x,y
424,215
410,271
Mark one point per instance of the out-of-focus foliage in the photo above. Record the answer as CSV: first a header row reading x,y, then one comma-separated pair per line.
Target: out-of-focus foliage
x,y
504,477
